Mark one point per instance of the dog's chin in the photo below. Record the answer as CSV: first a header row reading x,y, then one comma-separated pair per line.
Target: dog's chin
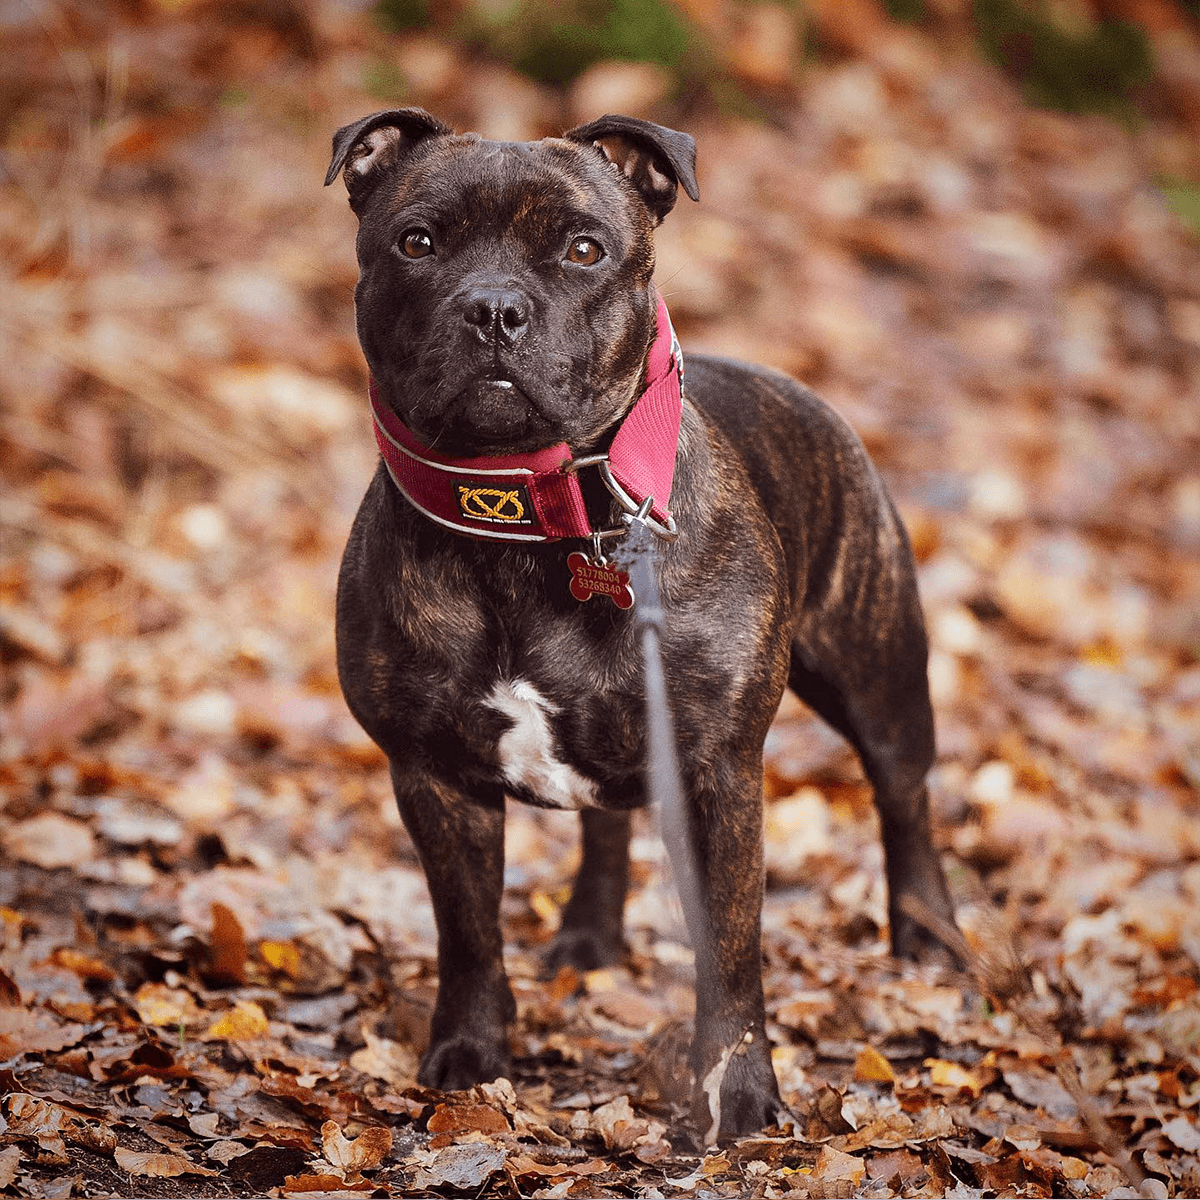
x,y
494,416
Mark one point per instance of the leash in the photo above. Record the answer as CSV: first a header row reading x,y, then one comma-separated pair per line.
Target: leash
x,y
664,780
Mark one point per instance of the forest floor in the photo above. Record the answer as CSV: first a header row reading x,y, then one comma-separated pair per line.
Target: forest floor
x,y
216,948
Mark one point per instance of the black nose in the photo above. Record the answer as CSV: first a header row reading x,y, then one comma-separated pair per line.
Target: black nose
x,y
496,312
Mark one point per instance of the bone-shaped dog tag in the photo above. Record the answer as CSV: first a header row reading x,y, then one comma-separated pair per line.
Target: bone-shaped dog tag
x,y
592,577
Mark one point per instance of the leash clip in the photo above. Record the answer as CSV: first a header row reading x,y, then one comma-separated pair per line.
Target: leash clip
x,y
631,509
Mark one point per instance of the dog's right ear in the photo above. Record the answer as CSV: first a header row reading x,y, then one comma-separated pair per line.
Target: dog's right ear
x,y
383,138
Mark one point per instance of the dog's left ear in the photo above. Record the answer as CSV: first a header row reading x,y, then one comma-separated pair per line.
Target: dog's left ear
x,y
656,160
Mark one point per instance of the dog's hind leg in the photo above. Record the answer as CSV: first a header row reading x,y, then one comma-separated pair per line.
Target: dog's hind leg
x,y
877,696
590,935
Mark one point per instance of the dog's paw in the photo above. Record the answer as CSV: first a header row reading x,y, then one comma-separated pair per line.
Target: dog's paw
x,y
923,928
742,1083
583,949
915,943
750,1098
460,1062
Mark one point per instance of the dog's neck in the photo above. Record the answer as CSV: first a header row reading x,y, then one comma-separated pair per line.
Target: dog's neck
x,y
536,497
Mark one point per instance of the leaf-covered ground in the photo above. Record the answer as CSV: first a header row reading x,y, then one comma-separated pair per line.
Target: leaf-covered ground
x,y
216,951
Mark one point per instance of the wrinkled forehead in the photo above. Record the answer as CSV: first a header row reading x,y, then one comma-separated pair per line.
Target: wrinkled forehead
x,y
509,183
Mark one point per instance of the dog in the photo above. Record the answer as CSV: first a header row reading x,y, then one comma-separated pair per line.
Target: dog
x,y
527,392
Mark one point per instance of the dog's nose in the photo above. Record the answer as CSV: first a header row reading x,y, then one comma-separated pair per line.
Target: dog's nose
x,y
497,311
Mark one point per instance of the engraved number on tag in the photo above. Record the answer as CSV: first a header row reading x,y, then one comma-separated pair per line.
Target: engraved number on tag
x,y
591,577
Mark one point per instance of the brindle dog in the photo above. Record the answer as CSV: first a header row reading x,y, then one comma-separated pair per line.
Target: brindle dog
x,y
505,304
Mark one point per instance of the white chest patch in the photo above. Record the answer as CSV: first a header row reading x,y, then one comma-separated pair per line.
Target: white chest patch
x,y
527,756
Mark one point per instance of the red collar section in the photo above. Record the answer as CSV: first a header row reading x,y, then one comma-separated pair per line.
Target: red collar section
x,y
536,497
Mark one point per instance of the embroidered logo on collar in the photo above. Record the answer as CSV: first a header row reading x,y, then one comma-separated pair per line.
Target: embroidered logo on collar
x,y
536,497
507,506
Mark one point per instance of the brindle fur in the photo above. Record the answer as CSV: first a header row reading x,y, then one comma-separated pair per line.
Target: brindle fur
x,y
791,569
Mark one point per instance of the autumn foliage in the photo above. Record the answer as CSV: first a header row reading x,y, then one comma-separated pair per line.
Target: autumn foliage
x,y
216,950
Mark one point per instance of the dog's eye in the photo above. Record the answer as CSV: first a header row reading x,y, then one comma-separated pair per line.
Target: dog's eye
x,y
584,252
416,243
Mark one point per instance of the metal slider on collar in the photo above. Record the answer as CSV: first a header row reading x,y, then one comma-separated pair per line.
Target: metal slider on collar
x,y
630,507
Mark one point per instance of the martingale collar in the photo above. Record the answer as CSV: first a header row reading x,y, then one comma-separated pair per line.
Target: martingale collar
x,y
536,497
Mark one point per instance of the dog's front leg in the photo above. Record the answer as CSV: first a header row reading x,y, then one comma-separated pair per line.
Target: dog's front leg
x,y
461,847
731,1058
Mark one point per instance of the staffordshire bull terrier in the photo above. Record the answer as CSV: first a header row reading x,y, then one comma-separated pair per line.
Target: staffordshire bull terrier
x,y
527,392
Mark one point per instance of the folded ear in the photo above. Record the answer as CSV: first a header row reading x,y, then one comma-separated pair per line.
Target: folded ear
x,y
655,159
382,139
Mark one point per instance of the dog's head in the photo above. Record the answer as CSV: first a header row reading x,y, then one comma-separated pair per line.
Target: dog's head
x,y
505,299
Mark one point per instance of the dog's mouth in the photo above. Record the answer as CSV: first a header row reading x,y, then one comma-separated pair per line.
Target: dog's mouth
x,y
493,414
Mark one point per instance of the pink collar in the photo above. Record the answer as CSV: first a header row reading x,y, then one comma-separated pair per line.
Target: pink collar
x,y
536,497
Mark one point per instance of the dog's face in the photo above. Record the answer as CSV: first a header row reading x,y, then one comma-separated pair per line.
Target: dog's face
x,y
505,299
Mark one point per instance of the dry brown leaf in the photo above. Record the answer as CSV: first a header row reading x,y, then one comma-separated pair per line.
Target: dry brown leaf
x,y
352,1156
460,1118
394,1063
522,1164
833,1164
1183,1133
299,1184
86,966
51,840
158,1166
626,1012
620,1127
227,946
467,1167
10,1163
33,1031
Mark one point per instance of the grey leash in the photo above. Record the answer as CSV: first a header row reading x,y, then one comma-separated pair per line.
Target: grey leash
x,y
664,782
664,785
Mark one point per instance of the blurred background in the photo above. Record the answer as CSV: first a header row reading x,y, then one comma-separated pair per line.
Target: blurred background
x,y
972,225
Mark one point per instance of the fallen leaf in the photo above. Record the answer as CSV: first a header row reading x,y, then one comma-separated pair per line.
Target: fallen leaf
x,y
227,946
1041,1089
51,840
245,1022
158,1166
226,1151
952,1075
1183,1133
34,1031
10,1162
158,1004
353,1156
301,1184
833,1164
466,1167
522,1164
205,1124
459,1118
281,956
871,1067
384,1059
50,1123
83,965
619,1127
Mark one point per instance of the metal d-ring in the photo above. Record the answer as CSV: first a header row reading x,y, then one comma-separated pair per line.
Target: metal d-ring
x,y
632,509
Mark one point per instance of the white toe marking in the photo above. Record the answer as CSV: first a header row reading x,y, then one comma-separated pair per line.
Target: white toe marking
x,y
527,755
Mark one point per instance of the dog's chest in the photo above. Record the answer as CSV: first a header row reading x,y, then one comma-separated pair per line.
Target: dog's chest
x,y
529,757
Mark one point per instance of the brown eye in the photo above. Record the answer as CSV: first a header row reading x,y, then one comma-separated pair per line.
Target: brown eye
x,y
416,243
584,252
